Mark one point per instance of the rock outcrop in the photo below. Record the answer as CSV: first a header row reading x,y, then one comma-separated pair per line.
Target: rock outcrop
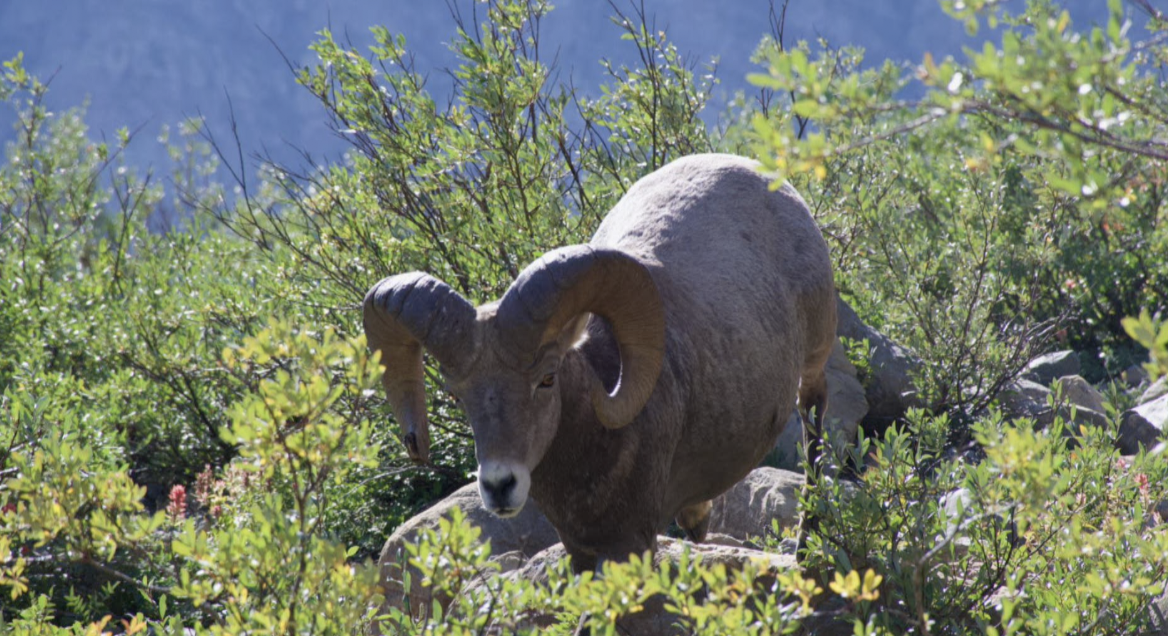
x,y
1143,425
655,619
746,511
1081,403
1079,392
847,406
513,541
1155,390
526,546
888,388
1049,367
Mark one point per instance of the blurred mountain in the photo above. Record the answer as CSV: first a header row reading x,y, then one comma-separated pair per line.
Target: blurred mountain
x,y
146,63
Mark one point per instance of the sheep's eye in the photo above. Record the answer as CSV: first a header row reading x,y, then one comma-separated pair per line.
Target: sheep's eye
x,y
548,380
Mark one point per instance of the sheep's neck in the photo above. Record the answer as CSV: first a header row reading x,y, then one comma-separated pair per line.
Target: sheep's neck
x,y
580,434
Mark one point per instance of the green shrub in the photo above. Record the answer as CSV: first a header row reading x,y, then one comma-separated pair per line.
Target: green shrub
x,y
1035,539
175,455
1152,334
1015,206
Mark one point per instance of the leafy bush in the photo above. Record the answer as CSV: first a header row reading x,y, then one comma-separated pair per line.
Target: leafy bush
x,y
1152,334
186,411
1034,539
1016,202
973,225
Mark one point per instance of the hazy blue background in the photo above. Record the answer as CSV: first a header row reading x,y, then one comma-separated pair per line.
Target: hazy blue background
x,y
146,63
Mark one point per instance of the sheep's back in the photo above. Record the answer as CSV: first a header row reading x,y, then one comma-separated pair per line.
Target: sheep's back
x,y
741,270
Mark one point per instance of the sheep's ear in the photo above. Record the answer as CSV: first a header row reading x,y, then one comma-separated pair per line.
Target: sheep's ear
x,y
574,333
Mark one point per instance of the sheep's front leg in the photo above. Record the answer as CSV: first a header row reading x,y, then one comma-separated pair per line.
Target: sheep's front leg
x,y
695,520
591,558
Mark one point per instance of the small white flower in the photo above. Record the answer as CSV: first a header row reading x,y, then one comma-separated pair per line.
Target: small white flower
x,y
955,83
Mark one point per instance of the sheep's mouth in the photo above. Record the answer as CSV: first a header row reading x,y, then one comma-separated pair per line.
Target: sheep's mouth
x,y
505,513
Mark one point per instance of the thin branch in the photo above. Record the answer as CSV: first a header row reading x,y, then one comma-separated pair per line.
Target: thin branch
x,y
123,577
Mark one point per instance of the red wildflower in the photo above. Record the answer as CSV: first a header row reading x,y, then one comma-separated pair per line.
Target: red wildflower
x,y
1143,485
205,485
177,509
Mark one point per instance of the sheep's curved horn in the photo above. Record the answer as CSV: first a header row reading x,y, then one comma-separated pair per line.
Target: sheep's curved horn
x,y
402,314
570,281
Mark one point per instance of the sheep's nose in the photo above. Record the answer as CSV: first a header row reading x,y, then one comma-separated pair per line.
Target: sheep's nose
x,y
500,488
503,487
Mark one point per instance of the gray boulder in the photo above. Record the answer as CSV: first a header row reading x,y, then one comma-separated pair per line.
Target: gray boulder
x,y
745,511
1079,392
526,547
889,389
738,516
513,541
1134,376
1049,367
669,550
656,620
788,451
1157,389
1028,398
847,403
743,514
1158,617
1143,425
846,408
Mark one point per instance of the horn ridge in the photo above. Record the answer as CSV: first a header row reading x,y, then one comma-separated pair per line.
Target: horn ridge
x,y
402,314
570,281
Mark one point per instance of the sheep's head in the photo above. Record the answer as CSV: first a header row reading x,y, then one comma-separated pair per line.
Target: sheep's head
x,y
502,360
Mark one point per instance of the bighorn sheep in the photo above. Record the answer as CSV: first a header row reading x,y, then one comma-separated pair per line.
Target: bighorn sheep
x,y
630,380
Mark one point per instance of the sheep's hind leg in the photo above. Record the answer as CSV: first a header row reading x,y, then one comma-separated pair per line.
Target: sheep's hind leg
x,y
695,520
812,398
